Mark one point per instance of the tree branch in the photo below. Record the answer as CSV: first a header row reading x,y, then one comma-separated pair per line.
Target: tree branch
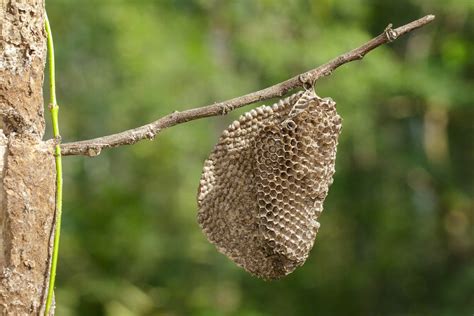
x,y
94,146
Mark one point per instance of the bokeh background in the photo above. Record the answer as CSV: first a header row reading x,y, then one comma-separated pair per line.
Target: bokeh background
x,y
397,234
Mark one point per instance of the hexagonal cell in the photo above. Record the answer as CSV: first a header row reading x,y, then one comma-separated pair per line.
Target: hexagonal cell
x,y
289,164
266,197
294,152
268,207
280,152
272,148
291,179
283,174
280,205
273,157
290,125
263,175
267,161
262,203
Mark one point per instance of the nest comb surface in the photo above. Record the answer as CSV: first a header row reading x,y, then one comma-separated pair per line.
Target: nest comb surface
x,y
263,186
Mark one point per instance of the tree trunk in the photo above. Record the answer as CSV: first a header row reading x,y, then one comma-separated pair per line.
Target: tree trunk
x,y
27,168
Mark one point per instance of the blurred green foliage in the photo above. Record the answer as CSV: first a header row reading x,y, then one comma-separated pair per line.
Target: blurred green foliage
x,y
397,234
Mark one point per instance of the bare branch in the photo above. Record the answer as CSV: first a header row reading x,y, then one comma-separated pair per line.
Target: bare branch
x,y
94,146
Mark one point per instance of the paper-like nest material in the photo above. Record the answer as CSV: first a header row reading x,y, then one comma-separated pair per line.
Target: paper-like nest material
x,y
263,186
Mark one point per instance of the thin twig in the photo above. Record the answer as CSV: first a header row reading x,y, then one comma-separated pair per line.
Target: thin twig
x,y
54,108
93,147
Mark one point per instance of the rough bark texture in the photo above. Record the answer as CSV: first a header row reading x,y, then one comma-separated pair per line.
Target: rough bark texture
x,y
27,164
21,66
28,206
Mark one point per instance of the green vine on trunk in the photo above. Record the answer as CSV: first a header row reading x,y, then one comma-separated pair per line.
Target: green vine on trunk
x,y
54,108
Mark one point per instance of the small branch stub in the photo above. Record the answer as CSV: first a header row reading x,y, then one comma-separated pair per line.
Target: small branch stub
x,y
390,33
94,146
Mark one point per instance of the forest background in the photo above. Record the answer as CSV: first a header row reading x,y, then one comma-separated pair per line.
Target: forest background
x,y
397,231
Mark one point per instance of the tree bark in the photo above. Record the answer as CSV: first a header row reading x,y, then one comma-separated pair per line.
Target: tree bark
x,y
27,188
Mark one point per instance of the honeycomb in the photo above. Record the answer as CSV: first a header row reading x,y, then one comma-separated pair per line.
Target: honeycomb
x,y
263,186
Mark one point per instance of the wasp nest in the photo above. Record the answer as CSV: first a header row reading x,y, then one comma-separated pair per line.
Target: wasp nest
x,y
262,188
